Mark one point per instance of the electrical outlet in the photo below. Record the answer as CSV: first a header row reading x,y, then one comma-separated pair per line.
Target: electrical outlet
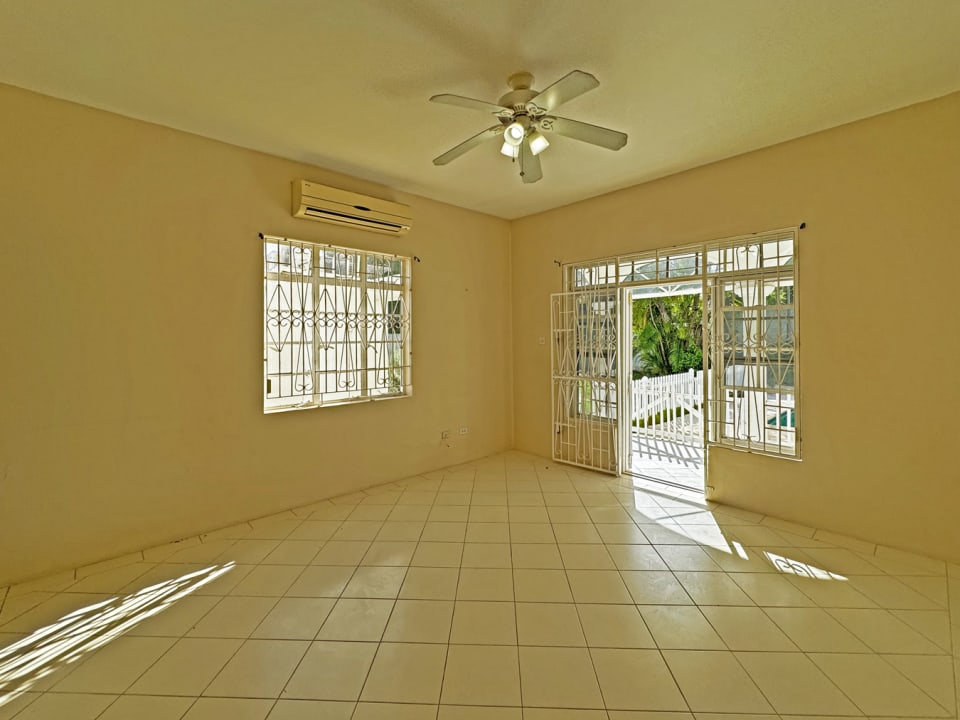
x,y
444,434
464,430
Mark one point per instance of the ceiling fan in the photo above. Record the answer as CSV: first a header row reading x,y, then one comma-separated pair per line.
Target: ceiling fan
x,y
524,114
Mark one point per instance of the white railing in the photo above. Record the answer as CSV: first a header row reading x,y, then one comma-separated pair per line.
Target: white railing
x,y
669,407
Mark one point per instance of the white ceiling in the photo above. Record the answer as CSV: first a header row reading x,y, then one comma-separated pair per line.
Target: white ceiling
x,y
344,84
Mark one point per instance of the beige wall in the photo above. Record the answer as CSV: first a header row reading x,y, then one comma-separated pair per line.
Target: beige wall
x,y
880,324
131,295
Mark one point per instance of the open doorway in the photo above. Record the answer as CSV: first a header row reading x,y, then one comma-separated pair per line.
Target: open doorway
x,y
666,393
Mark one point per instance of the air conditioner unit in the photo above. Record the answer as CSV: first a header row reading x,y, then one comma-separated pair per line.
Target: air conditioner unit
x,y
326,204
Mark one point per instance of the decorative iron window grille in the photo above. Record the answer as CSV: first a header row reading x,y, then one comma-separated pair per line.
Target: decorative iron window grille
x,y
749,285
336,325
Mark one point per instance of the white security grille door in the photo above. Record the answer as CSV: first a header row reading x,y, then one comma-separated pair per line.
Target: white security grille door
x,y
753,345
584,339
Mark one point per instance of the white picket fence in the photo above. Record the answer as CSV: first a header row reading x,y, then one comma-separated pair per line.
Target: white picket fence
x,y
669,407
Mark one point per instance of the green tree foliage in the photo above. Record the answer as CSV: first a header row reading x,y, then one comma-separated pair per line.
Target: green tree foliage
x,y
668,334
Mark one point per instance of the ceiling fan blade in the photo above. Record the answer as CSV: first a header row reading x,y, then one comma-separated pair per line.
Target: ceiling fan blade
x,y
571,85
455,152
530,170
593,134
471,104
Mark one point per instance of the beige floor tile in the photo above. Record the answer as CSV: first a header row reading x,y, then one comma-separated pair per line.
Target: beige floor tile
x,y
598,586
147,707
680,628
444,532
268,580
438,554
664,533
636,557
406,673
375,582
647,715
486,555
111,581
400,531
178,618
409,513
321,581
831,594
417,497
489,514
932,624
311,710
841,561
462,712
488,532
576,533
793,684
294,619
420,621
356,619
488,498
813,630
585,557
614,515
260,668
315,530
337,552
558,677
747,628
932,674
654,587
636,680
430,583
523,533
115,666
331,671
563,714
294,552
548,624
393,553
712,588
233,617
713,681
527,514
187,668
357,529
458,500
686,557
484,623
875,686
768,590
275,529
233,708
448,513
248,552
485,584
891,594
59,706
614,626
394,711
541,586
538,556
618,534
568,515
883,632
481,675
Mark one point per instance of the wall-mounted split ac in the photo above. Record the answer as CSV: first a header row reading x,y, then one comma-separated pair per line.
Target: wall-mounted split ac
x,y
313,201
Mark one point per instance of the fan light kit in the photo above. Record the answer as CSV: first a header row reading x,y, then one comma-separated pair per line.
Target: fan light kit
x,y
523,116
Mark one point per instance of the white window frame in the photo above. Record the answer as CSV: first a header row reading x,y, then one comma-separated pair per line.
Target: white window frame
x,y
336,325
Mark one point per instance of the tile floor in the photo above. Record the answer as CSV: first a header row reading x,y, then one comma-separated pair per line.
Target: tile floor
x,y
509,588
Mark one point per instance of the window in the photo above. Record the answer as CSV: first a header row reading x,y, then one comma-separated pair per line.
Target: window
x,y
336,325
753,353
